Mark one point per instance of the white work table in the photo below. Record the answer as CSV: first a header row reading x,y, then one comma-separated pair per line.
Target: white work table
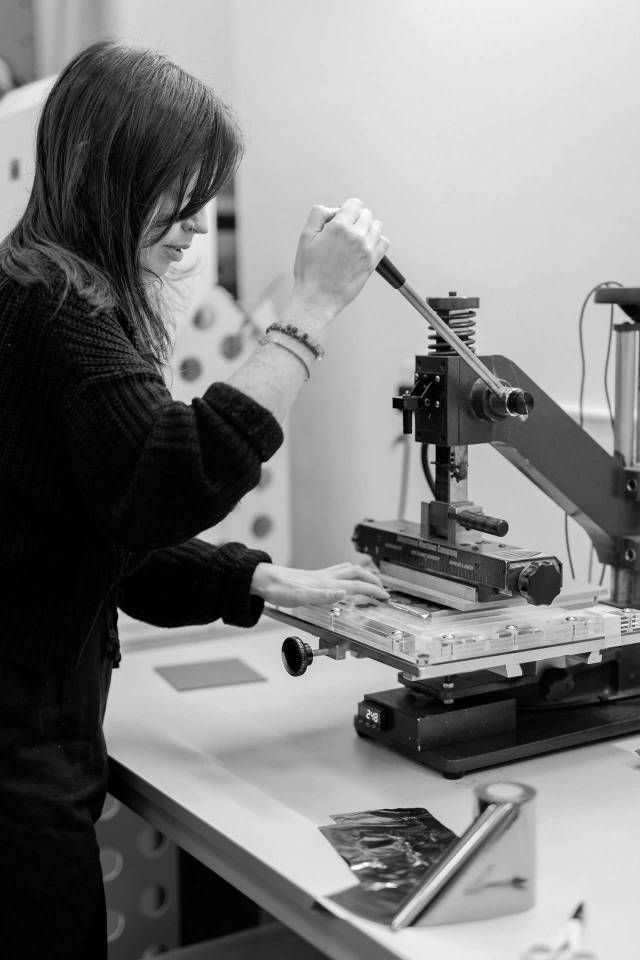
x,y
242,776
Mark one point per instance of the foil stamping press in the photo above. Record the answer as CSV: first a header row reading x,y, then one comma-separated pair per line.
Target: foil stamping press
x,y
497,660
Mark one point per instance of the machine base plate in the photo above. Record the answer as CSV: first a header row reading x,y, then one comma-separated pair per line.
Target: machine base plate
x,y
438,736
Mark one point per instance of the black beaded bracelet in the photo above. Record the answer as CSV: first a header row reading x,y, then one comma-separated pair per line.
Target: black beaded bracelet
x,y
299,335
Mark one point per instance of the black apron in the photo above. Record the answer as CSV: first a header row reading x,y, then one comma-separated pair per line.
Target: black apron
x,y
53,782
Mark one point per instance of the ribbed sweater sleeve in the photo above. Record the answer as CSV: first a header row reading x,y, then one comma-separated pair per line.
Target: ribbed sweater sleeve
x,y
194,582
152,471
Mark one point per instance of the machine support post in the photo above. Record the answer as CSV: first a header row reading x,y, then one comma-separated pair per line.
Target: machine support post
x,y
626,423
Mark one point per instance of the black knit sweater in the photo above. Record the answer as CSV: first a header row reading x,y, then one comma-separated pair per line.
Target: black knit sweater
x,y
105,480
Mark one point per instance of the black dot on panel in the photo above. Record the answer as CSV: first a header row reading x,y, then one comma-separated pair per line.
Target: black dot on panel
x,y
262,526
204,317
154,900
231,346
115,924
111,863
190,368
151,843
111,808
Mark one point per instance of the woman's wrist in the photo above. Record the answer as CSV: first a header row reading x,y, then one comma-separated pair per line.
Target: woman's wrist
x,y
260,580
311,313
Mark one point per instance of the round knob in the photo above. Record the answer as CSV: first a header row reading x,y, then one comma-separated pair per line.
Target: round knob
x,y
540,582
555,684
297,655
520,402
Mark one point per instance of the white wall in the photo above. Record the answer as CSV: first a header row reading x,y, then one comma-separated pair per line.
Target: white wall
x,y
194,33
499,143
62,28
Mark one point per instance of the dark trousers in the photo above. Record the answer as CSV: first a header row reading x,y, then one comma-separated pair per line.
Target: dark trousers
x,y
53,781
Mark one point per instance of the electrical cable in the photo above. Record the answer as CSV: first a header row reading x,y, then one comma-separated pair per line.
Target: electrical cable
x,y
583,376
568,545
606,369
583,362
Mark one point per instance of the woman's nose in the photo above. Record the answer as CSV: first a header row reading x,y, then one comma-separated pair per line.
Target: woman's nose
x,y
197,223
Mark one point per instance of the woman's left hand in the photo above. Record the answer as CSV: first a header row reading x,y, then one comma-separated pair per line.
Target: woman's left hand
x,y
286,587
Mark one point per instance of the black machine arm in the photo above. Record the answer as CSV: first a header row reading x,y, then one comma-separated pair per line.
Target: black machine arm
x,y
565,462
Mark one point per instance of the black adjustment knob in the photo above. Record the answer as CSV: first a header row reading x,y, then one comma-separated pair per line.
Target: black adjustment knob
x,y
297,655
480,521
555,684
520,402
540,582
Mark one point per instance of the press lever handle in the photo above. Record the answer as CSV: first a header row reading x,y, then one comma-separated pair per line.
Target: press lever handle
x,y
389,272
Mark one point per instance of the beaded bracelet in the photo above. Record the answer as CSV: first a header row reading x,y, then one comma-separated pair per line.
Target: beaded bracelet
x,y
278,343
299,335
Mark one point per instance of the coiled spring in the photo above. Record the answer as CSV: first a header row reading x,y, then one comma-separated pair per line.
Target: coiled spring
x,y
456,313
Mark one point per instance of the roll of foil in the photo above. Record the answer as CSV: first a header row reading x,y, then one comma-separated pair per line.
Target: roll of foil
x,y
389,851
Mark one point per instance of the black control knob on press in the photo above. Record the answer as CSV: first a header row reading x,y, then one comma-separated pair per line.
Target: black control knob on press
x,y
297,655
480,521
540,582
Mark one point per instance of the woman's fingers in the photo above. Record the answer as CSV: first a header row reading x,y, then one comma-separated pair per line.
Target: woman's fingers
x,y
294,588
333,592
337,252
349,210
366,588
364,222
352,571
318,218
314,596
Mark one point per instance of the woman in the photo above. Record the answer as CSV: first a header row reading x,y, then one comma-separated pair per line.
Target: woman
x,y
104,479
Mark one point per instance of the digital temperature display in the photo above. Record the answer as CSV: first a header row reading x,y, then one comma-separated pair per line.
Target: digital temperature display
x,y
372,714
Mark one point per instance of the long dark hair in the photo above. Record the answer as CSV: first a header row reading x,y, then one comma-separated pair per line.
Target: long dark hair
x,y
121,129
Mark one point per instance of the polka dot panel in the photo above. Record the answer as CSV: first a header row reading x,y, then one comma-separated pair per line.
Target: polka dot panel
x,y
154,900
140,871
